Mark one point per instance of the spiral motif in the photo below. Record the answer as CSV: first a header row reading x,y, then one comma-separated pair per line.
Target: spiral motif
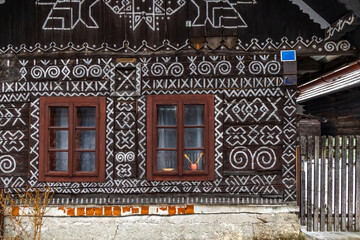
x,y
344,45
7,164
176,69
158,69
125,157
37,72
205,67
239,158
256,67
95,71
224,67
79,71
330,46
273,67
265,157
53,72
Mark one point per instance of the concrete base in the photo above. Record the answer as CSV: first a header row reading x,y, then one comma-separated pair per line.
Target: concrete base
x,y
250,222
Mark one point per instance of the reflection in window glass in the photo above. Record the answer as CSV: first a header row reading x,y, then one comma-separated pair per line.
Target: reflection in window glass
x,y
167,138
59,139
166,161
85,139
194,115
166,115
193,137
86,116
85,161
58,161
59,116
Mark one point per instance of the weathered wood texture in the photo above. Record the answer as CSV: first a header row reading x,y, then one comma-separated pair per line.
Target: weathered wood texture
x,y
339,111
114,22
337,171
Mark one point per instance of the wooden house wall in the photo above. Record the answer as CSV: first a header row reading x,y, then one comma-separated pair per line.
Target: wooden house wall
x,y
339,112
28,23
254,120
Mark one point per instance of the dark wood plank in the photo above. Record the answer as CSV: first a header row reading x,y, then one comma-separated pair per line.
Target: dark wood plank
x,y
330,185
316,183
350,182
357,184
322,183
343,182
302,182
309,180
337,182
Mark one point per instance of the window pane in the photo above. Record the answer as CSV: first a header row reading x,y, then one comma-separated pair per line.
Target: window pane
x,y
194,160
166,161
59,116
85,161
85,139
194,115
193,137
59,139
167,138
166,115
86,116
58,161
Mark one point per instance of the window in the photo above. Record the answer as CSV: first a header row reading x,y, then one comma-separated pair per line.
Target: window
x,y
180,144
72,139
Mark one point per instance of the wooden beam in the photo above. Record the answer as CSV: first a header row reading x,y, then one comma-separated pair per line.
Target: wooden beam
x,y
345,24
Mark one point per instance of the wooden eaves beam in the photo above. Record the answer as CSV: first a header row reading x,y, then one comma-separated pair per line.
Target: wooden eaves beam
x,y
345,24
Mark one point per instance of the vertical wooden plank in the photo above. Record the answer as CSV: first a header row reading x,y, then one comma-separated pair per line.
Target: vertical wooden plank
x,y
330,185
337,182
351,185
316,183
357,184
343,182
302,180
322,184
309,181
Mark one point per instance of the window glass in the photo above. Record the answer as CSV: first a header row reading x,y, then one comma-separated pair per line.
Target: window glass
x,y
167,138
86,116
85,139
194,160
193,137
193,115
59,116
58,139
85,161
58,161
166,160
166,115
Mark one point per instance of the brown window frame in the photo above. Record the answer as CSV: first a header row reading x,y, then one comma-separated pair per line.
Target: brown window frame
x,y
208,173
71,175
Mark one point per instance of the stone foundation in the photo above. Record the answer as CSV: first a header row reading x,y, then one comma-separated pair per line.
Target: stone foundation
x,y
169,222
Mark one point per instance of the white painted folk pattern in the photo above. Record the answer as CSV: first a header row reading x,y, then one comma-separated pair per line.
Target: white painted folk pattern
x,y
125,157
242,157
7,164
67,14
256,135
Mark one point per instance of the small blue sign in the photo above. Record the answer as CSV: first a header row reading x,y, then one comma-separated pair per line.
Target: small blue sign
x,y
288,56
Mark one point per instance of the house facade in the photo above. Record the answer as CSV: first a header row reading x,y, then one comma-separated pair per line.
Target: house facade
x,y
154,104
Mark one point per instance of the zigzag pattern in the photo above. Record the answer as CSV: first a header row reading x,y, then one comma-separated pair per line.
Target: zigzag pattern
x,y
109,138
142,136
18,97
218,136
34,136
